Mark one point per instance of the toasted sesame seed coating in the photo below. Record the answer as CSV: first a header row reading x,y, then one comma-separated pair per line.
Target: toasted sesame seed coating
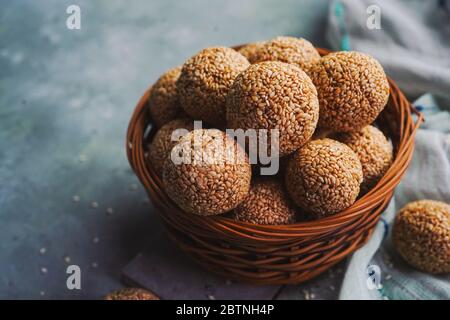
x,y
162,144
214,176
251,51
131,294
205,80
352,88
323,177
275,95
163,100
291,50
267,203
373,150
421,235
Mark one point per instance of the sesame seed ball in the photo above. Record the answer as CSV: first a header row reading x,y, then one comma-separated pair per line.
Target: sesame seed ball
x,y
352,88
205,80
211,174
373,150
163,101
291,50
275,95
251,51
162,144
323,177
131,294
267,203
421,235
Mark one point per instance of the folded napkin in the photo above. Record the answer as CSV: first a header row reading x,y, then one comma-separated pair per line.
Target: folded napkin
x,y
413,47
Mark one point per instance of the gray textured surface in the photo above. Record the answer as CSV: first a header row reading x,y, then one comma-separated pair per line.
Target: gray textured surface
x,y
164,269
65,101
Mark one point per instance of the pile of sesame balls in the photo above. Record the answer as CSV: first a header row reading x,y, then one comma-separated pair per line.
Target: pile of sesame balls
x,y
330,149
323,108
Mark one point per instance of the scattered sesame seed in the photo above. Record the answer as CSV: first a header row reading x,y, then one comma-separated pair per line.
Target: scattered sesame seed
x,y
76,198
133,187
110,211
67,259
82,158
44,270
211,297
94,265
42,293
306,295
94,205
42,250
388,277
95,240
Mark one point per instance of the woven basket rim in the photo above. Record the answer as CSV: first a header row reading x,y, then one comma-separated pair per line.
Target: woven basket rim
x,y
277,254
383,187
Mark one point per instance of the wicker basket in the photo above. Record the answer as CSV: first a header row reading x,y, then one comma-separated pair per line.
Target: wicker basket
x,y
283,254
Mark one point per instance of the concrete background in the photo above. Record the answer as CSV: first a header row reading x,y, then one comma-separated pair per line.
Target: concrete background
x,y
67,194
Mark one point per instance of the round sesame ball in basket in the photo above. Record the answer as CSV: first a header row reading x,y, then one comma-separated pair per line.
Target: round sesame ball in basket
x,y
277,254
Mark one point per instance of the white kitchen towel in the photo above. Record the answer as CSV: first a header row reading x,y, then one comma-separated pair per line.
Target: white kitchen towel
x,y
413,47
412,43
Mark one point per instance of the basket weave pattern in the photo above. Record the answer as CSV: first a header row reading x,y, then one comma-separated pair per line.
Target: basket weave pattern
x,y
283,254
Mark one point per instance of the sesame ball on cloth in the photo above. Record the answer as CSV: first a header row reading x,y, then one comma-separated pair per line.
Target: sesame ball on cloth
x,y
421,235
163,100
323,177
267,203
275,95
131,294
208,173
291,50
352,87
161,145
205,80
251,51
373,150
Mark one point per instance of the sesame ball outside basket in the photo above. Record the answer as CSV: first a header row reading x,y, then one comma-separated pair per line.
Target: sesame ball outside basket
x,y
323,177
163,100
131,294
352,87
213,175
267,203
373,150
291,50
161,145
421,235
205,80
275,95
